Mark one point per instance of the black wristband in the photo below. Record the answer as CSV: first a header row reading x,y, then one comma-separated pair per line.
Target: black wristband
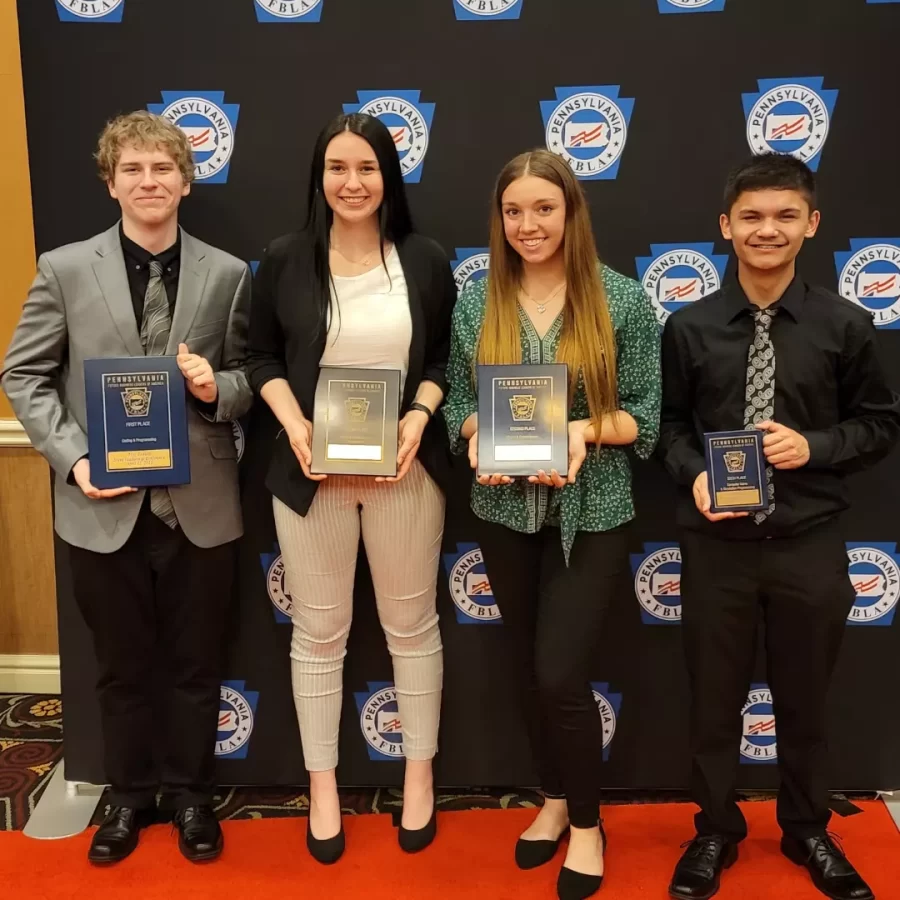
x,y
421,407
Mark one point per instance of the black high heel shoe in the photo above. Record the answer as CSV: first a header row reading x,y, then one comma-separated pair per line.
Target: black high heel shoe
x,y
531,854
414,840
326,851
572,885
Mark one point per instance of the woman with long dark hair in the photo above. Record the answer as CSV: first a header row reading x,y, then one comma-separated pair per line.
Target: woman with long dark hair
x,y
358,287
555,544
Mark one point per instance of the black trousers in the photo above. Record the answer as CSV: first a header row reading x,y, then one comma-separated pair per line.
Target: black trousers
x,y
157,610
800,588
553,618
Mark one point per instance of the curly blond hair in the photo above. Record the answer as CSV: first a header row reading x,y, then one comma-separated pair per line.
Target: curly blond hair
x,y
143,130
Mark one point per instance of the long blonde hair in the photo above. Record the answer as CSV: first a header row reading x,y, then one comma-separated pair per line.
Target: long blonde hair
x,y
587,343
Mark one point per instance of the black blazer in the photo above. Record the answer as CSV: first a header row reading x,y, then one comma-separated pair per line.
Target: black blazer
x,y
287,341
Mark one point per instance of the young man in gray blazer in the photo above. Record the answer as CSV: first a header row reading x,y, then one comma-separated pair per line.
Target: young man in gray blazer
x,y
152,570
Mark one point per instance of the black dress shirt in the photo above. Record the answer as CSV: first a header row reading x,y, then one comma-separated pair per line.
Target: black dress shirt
x,y
829,386
137,265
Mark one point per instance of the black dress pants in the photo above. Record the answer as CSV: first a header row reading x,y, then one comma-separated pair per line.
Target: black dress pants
x,y
553,618
157,610
800,588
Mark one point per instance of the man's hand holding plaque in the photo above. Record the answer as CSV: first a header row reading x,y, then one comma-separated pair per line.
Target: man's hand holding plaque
x,y
522,423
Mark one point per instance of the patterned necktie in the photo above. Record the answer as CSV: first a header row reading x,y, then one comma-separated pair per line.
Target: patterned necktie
x,y
155,325
760,393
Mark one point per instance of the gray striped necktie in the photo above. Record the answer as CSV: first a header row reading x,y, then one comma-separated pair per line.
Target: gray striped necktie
x,y
155,325
760,393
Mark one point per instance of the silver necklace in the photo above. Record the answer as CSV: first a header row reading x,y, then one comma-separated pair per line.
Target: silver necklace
x,y
542,307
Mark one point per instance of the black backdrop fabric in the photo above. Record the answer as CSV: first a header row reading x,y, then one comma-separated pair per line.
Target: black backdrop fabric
x,y
652,101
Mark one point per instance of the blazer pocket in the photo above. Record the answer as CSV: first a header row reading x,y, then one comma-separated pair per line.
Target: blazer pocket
x,y
205,329
222,448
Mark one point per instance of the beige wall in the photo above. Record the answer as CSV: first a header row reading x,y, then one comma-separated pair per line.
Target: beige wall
x,y
27,583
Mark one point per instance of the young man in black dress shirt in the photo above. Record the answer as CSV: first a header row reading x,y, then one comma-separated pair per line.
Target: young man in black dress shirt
x,y
800,363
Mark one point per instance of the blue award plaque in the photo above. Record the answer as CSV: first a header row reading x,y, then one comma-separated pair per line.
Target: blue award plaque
x,y
522,419
136,422
736,468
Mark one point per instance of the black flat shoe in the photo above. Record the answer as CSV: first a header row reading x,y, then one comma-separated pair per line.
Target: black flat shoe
x,y
326,851
531,854
118,835
572,885
412,841
831,871
698,871
200,837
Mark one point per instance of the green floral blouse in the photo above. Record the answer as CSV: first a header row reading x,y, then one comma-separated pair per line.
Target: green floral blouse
x,y
600,498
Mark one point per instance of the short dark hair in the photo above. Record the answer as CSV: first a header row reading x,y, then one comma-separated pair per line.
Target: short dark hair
x,y
770,171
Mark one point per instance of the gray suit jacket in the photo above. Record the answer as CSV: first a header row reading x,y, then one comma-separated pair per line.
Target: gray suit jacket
x,y
79,306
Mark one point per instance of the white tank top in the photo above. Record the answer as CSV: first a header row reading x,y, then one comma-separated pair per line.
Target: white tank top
x,y
372,327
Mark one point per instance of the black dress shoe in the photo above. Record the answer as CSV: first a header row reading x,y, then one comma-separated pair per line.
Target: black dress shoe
x,y
531,854
414,840
572,885
199,834
118,835
697,873
326,851
831,871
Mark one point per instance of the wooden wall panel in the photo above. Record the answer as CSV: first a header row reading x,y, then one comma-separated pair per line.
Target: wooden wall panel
x,y
17,258
27,579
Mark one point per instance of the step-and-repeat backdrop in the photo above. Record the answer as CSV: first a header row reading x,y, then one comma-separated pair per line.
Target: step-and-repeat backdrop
x,y
650,101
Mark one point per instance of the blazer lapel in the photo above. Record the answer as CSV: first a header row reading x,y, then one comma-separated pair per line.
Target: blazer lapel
x,y
417,314
193,273
109,269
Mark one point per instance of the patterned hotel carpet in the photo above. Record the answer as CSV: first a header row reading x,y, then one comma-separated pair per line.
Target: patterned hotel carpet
x,y
30,746
31,743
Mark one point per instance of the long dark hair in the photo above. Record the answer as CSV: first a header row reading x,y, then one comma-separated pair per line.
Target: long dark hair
x,y
394,219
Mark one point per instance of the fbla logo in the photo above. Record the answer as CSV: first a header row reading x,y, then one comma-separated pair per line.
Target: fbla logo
x,y
678,274
609,704
758,741
237,431
409,121
254,265
380,721
480,10
588,127
288,10
869,275
469,586
690,6
471,264
90,10
273,566
657,583
875,576
209,123
790,116
237,711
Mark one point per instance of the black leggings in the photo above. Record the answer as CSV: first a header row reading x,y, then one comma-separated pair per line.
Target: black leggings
x,y
553,617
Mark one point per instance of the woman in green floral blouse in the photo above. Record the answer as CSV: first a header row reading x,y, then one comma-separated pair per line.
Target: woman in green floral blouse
x,y
555,544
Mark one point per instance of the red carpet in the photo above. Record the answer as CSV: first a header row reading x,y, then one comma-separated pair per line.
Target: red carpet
x,y
471,858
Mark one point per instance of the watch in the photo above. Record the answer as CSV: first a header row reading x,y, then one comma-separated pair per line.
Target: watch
x,y
421,407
